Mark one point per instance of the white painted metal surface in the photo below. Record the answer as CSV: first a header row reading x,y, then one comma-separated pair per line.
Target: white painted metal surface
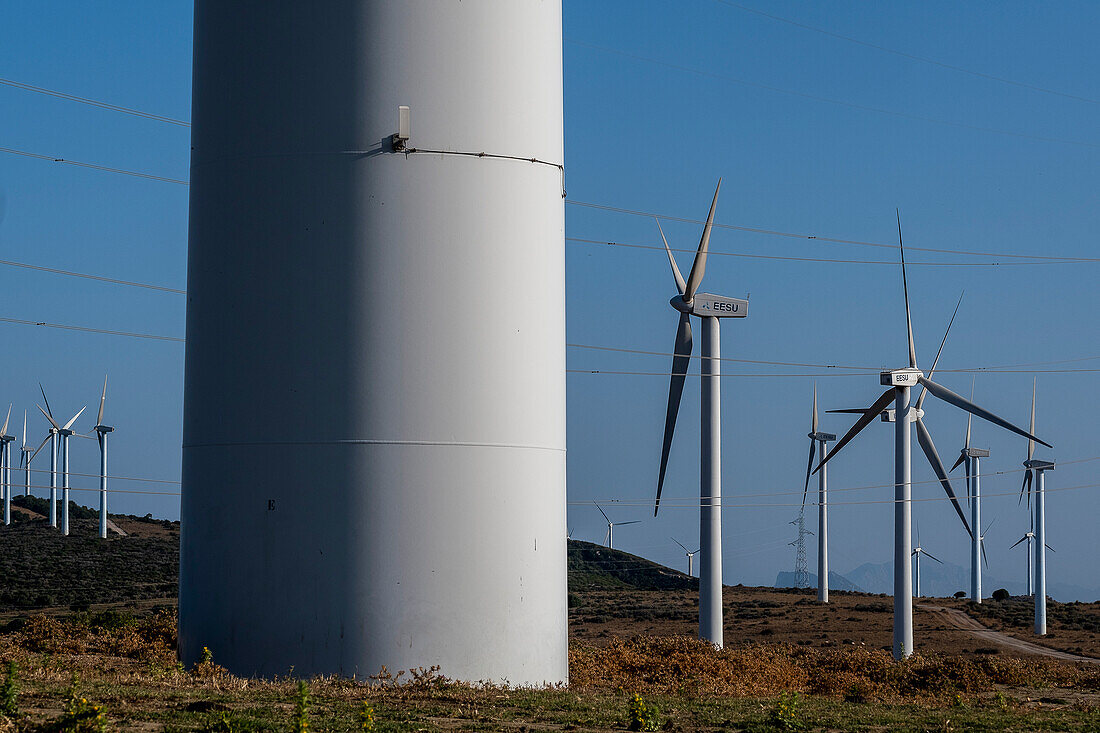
x,y
1040,553
710,485
903,538
374,433
823,529
974,478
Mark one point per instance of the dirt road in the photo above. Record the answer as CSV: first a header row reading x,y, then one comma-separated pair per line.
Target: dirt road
x,y
960,620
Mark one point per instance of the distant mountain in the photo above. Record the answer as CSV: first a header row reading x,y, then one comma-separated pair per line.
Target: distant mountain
x,y
787,579
945,580
595,566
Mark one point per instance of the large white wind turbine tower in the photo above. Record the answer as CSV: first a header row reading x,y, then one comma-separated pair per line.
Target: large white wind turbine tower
x,y
5,465
819,438
610,536
1036,472
410,155
972,459
709,308
900,382
64,433
101,433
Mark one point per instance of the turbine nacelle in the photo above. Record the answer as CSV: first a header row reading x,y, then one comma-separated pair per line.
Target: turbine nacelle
x,y
908,377
827,437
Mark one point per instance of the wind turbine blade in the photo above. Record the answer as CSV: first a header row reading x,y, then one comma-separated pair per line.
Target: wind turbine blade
x,y
48,416
43,391
868,417
905,290
920,399
606,535
623,524
981,544
601,511
1022,539
680,284
924,438
102,399
961,402
970,417
929,555
813,419
849,411
697,551
991,523
678,542
4,430
918,531
699,266
1025,486
1030,442
680,360
74,417
24,430
809,466
40,446
1049,547
962,457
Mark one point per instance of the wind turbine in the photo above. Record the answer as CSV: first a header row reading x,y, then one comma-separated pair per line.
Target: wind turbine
x,y
710,308
611,527
25,451
900,382
51,438
5,465
101,432
972,458
64,433
1036,471
1028,537
816,437
917,552
690,554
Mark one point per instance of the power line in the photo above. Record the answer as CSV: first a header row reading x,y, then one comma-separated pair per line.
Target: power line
x,y
831,260
826,100
93,102
96,475
88,276
903,54
94,166
819,238
84,329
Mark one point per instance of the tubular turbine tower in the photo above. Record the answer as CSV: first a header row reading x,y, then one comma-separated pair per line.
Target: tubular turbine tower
x,y
376,258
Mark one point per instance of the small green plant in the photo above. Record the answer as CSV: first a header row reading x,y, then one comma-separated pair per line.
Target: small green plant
x,y
206,657
301,708
957,700
1001,700
366,717
80,715
642,716
9,691
785,714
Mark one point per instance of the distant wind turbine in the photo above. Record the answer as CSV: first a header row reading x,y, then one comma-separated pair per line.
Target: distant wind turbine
x,y
64,433
102,431
610,537
690,554
900,382
710,308
916,553
5,465
51,438
971,457
1038,469
817,437
25,451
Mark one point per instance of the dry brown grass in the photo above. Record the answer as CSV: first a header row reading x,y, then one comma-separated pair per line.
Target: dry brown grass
x,y
684,665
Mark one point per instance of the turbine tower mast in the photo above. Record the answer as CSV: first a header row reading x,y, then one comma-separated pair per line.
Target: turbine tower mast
x,y
970,459
102,431
710,308
439,242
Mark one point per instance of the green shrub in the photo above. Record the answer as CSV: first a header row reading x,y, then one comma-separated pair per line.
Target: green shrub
x,y
80,715
9,692
301,708
366,717
785,712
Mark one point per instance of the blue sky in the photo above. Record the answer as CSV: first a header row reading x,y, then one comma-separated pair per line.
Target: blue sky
x,y
813,134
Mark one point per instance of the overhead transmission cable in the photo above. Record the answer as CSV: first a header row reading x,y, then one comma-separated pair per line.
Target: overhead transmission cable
x,y
93,102
94,166
904,54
